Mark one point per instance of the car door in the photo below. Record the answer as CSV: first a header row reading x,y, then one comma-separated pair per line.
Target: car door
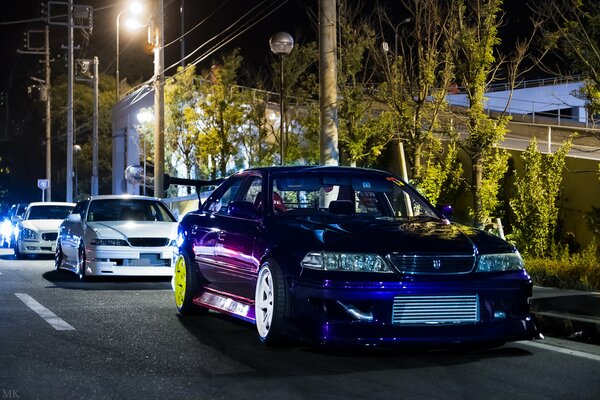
x,y
237,262
205,229
71,231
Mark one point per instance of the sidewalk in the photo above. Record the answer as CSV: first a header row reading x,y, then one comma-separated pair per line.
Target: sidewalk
x,y
570,314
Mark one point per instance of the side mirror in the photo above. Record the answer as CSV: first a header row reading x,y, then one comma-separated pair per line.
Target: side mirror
x,y
446,210
242,209
74,218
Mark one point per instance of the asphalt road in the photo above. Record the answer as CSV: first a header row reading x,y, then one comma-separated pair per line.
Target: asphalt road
x,y
123,339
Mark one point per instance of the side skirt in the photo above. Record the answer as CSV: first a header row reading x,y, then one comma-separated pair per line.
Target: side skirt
x,y
226,305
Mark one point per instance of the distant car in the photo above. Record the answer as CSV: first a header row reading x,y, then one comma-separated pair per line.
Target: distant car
x,y
347,256
38,228
8,225
117,235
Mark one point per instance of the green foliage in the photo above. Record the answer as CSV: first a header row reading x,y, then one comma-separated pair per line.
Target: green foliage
x,y
563,270
592,220
220,108
441,180
535,205
181,119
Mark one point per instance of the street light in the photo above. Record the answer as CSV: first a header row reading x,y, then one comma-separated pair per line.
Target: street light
x,y
281,44
135,9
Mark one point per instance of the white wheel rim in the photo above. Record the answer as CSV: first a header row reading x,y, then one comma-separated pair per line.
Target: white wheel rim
x,y
264,302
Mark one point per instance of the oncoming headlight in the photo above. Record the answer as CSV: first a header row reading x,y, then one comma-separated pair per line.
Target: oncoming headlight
x,y
351,262
500,262
108,242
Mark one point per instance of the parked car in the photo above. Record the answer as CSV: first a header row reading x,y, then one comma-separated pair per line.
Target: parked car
x,y
349,256
117,235
8,227
37,230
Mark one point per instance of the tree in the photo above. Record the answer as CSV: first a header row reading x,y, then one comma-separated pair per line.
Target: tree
x,y
82,115
220,108
362,136
181,118
475,37
535,205
418,72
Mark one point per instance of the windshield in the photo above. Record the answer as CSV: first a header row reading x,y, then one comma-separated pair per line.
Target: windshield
x,y
369,195
49,212
128,210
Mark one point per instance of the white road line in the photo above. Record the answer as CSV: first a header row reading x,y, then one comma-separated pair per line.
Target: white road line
x,y
43,312
562,350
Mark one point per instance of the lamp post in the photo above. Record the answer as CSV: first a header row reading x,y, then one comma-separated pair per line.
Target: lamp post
x,y
76,150
281,44
135,8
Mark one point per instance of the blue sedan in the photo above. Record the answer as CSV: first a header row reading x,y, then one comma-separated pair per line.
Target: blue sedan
x,y
347,256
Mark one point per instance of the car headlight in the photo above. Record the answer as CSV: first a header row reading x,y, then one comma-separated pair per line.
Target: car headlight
x,y
6,228
500,262
108,242
28,234
352,262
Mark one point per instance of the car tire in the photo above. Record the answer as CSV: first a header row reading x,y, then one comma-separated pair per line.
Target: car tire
x,y
186,286
271,305
81,263
58,257
18,254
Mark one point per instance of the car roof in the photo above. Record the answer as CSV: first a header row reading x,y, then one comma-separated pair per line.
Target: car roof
x,y
121,196
51,203
313,168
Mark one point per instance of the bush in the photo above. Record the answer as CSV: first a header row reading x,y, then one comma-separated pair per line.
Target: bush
x,y
577,271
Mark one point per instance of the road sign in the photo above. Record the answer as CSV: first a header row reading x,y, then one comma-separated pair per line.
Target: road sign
x,y
43,184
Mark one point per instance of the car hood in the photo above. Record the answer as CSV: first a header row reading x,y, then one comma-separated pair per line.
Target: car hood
x,y
419,235
41,225
126,229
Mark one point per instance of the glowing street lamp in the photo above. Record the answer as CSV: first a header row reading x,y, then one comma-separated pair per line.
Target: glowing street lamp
x,y
135,9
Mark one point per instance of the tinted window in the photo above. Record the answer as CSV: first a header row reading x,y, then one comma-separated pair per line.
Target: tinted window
x,y
128,210
219,201
49,212
373,195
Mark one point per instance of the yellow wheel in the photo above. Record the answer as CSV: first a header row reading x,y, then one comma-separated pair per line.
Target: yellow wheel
x,y
186,286
179,276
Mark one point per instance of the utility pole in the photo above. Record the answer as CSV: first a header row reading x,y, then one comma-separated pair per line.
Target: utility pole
x,y
48,114
159,100
94,191
329,152
69,181
45,94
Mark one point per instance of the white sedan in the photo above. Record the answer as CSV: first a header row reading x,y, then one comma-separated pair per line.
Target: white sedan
x,y
117,235
37,229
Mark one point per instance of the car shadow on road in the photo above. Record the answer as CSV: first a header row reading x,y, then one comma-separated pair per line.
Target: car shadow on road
x,y
68,280
238,340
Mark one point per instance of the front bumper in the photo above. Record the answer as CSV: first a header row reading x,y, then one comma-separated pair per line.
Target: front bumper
x,y
36,246
363,312
128,261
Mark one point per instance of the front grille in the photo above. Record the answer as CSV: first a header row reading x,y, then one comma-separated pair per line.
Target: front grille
x,y
148,242
415,310
49,236
432,264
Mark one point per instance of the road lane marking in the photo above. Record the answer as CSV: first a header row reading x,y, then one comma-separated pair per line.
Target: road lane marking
x,y
51,318
562,350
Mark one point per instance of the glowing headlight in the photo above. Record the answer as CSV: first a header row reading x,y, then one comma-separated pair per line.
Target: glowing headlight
x,y
500,262
352,262
108,242
28,234
6,229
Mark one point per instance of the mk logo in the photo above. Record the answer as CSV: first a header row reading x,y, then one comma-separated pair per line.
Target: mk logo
x,y
437,264
10,394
